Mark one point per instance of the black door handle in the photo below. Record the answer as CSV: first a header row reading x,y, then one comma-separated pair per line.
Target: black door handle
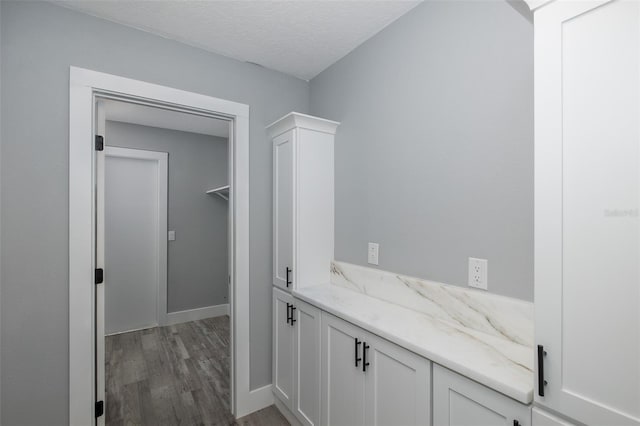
x,y
516,423
293,319
358,359
541,381
288,278
365,364
289,312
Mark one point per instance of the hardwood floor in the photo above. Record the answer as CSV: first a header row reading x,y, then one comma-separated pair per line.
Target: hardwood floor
x,y
175,375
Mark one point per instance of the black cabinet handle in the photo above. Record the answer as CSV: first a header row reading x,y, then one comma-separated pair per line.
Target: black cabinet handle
x,y
358,359
293,319
288,276
289,313
541,381
365,364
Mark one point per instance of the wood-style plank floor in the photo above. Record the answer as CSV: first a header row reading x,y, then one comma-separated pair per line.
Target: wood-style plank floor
x,y
175,375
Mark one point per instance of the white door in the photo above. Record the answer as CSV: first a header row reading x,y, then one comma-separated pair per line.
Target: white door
x,y
587,190
342,377
458,401
398,382
283,209
306,405
282,369
135,231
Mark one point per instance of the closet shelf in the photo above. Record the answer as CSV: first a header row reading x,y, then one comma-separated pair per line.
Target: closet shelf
x,y
222,192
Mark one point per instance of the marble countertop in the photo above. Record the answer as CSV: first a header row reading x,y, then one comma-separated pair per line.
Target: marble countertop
x,y
498,363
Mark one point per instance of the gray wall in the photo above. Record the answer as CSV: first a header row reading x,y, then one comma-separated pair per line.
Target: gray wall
x,y
198,258
39,43
434,156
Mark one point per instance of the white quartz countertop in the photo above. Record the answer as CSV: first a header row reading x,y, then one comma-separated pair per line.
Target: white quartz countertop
x,y
497,363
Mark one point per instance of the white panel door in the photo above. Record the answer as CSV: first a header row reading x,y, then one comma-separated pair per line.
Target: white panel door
x,y
308,338
458,401
398,382
283,347
342,376
133,199
283,209
587,158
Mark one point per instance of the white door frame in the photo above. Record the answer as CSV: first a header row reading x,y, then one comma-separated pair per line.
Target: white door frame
x,y
84,85
162,159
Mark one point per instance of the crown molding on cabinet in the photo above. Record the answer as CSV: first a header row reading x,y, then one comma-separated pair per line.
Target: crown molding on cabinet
x,y
536,4
304,121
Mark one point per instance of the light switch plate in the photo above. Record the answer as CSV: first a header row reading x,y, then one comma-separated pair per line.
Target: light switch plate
x,y
478,273
372,253
172,235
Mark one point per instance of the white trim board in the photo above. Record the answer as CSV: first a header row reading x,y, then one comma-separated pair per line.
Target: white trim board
x,y
180,317
84,86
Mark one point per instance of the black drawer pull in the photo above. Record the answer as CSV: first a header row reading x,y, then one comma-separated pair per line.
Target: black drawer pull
x,y
358,359
288,276
365,363
289,313
293,319
541,381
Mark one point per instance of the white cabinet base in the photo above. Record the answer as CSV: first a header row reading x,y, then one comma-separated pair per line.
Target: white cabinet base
x,y
307,351
283,356
462,402
392,388
397,387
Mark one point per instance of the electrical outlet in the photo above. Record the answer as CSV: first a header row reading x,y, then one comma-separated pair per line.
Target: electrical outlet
x,y
372,252
172,236
478,273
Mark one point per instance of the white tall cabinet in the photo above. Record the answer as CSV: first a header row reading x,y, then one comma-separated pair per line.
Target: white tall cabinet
x,y
302,253
587,191
303,187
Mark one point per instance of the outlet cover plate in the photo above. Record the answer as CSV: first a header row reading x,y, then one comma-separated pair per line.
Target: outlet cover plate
x,y
478,273
372,253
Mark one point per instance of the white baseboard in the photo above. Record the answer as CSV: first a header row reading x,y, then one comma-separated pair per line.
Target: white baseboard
x,y
197,314
257,400
291,418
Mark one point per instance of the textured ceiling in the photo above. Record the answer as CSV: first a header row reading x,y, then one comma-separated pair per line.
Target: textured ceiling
x,y
300,38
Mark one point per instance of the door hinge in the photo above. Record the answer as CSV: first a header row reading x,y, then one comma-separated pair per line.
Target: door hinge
x,y
99,277
99,408
99,143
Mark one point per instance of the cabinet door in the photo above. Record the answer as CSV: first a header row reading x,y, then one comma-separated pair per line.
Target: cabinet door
x,y
542,418
342,380
397,389
462,402
283,208
587,190
306,403
282,348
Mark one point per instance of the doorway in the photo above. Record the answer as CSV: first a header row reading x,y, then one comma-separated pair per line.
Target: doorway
x,y
86,226
165,325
